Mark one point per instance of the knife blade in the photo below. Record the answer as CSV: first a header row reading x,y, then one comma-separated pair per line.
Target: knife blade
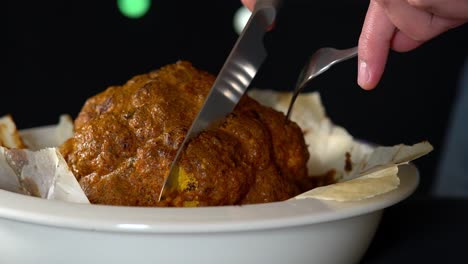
x,y
232,81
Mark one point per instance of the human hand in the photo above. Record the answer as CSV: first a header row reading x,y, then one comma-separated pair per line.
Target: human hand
x,y
400,25
249,4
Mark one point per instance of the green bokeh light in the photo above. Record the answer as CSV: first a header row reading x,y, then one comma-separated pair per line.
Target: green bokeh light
x,y
134,8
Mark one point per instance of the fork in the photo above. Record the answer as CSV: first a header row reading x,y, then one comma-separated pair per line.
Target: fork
x,y
319,62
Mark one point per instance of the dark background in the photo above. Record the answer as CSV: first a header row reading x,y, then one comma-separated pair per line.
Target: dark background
x,y
58,53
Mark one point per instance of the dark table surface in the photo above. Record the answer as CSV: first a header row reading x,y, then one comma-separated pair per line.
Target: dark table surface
x,y
421,230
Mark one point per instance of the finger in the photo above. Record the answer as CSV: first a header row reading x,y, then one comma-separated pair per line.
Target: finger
x,y
402,43
374,44
417,24
454,9
250,4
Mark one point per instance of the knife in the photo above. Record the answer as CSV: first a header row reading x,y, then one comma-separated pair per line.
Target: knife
x,y
232,81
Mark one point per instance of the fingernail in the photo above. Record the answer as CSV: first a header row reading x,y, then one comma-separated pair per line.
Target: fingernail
x,y
363,74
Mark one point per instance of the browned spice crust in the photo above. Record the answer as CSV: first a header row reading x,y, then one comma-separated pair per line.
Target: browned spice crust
x,y
127,136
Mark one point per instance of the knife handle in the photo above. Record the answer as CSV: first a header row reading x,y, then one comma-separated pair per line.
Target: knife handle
x,y
270,8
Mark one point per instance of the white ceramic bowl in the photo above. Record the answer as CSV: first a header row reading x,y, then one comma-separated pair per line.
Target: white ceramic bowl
x,y
34,230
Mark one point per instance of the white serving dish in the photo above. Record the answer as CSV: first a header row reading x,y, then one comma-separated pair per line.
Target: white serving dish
x,y
34,230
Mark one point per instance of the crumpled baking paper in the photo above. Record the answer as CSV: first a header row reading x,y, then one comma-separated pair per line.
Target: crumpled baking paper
x,y
35,167
362,170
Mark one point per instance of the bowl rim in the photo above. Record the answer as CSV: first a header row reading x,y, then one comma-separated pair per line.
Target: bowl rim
x,y
293,212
